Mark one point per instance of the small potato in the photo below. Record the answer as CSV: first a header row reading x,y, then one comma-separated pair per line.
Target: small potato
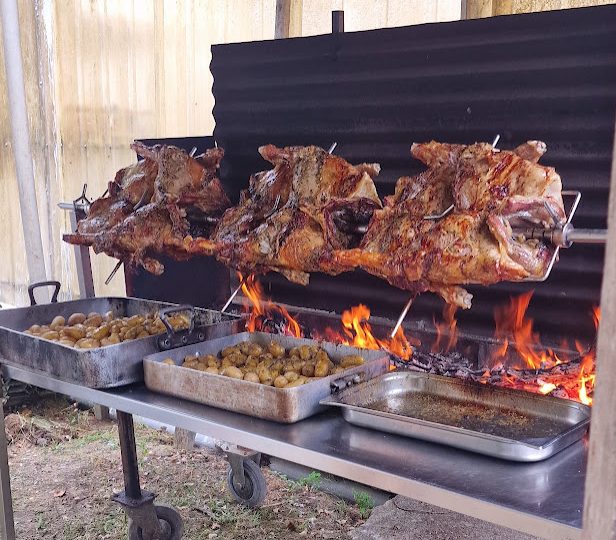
x,y
212,369
133,332
229,350
66,341
291,376
34,329
135,320
294,352
237,359
226,362
233,372
51,335
351,360
114,339
321,368
297,365
57,322
251,376
108,316
87,343
252,361
168,361
304,352
265,375
337,369
308,369
93,320
101,332
276,349
244,347
94,314
76,318
254,349
74,332
142,334
296,382
212,361
280,381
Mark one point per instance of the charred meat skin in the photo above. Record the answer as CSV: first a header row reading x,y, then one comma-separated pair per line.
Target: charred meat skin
x,y
492,191
146,212
294,215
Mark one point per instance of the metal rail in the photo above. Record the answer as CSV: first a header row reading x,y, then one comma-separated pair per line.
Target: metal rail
x,y
525,497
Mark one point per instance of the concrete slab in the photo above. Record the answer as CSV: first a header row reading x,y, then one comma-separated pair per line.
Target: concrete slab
x,y
405,519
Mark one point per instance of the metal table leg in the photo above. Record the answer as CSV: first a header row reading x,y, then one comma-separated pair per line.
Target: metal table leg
x,y
146,521
7,526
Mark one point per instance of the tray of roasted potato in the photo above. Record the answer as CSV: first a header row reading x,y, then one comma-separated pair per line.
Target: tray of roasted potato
x,y
97,342
270,376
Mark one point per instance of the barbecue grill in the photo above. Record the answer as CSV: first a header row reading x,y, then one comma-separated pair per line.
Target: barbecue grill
x,y
357,89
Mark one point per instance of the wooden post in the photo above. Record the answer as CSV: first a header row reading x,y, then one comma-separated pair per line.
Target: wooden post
x,y
600,496
288,19
184,439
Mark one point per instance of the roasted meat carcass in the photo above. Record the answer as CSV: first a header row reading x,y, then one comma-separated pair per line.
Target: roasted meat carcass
x,y
154,205
293,216
491,191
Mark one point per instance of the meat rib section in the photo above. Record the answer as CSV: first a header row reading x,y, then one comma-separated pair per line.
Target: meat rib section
x,y
294,215
491,192
153,205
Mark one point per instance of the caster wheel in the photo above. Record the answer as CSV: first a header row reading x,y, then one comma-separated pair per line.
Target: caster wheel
x,y
170,523
255,488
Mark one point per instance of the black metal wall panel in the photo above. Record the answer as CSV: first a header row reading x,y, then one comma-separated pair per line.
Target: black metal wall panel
x,y
549,76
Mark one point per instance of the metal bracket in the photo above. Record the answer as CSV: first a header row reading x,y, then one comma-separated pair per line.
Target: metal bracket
x,y
142,513
236,456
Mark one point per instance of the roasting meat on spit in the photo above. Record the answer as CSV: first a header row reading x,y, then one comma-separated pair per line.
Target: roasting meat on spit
x,y
491,192
153,205
293,216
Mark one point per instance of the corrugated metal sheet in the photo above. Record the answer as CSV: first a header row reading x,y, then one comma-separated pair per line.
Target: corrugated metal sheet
x,y
549,76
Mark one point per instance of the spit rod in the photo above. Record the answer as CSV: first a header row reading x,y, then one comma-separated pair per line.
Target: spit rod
x,y
565,236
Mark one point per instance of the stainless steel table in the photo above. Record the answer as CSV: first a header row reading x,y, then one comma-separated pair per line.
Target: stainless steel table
x,y
544,499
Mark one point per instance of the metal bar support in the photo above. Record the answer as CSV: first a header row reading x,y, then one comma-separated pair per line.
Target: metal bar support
x,y
128,449
7,525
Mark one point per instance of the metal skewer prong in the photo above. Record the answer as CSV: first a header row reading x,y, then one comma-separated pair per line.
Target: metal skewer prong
x,y
332,147
113,272
234,294
402,317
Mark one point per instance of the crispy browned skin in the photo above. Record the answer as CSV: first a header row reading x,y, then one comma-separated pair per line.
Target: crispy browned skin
x,y
491,191
149,202
292,216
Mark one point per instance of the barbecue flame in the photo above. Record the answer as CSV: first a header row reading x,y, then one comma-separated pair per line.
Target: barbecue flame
x,y
359,334
261,309
448,327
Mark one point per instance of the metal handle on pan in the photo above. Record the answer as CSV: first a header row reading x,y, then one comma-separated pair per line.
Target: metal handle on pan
x,y
344,382
54,297
177,338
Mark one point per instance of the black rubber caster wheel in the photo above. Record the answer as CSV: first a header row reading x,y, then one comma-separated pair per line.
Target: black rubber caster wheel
x,y
170,522
255,487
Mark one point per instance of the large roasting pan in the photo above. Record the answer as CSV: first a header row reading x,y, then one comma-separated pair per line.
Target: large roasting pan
x,y
499,422
285,405
104,367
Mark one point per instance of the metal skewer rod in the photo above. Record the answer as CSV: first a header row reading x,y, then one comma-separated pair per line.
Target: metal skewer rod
x,y
234,294
402,317
332,147
113,272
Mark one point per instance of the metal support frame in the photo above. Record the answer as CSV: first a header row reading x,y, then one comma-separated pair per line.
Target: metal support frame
x,y
7,526
138,504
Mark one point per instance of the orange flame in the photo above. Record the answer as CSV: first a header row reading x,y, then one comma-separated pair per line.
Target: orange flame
x,y
448,327
358,330
259,306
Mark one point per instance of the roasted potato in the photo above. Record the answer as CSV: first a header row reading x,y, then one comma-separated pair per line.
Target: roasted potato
x,y
76,318
93,320
233,372
280,381
57,322
168,361
87,343
51,335
275,349
251,376
351,360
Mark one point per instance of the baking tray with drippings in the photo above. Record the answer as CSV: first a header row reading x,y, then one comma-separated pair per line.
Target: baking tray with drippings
x,y
493,421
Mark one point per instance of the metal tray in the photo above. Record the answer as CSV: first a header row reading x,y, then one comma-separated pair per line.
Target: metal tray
x,y
104,367
499,422
285,405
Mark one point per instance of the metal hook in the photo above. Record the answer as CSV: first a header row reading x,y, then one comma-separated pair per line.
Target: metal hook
x,y
193,151
332,147
442,214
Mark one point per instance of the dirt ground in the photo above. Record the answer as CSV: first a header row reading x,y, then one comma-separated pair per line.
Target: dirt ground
x,y
65,465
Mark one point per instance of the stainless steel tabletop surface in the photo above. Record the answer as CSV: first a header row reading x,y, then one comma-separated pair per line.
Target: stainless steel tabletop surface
x,y
544,498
